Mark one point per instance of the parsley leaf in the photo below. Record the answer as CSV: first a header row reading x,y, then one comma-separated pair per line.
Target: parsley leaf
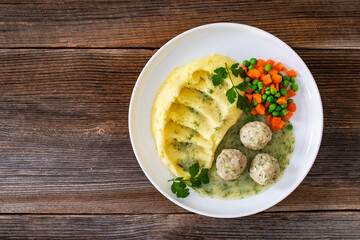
x,y
234,69
217,80
180,184
244,86
242,73
221,74
231,95
195,182
194,169
179,188
203,176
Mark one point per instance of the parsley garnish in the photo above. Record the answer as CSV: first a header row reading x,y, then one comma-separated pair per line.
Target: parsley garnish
x,y
179,185
232,93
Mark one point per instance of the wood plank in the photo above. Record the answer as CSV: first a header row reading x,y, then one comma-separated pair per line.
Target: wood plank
x,y
65,146
94,24
324,225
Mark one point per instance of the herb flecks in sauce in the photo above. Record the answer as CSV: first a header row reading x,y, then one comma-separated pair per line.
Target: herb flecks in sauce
x,y
281,147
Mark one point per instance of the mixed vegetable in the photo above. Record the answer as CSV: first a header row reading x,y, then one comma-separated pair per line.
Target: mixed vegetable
x,y
270,89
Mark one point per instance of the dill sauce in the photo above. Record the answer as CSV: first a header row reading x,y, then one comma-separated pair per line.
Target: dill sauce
x,y
280,146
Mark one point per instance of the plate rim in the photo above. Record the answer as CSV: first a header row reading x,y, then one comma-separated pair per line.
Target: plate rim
x,y
130,119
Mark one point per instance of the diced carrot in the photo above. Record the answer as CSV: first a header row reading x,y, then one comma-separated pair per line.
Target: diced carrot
x,y
278,67
270,61
291,73
276,78
276,120
257,97
266,79
282,123
281,101
291,107
243,67
254,112
253,73
249,90
262,91
249,96
277,126
277,87
260,63
272,86
273,72
261,69
275,123
267,104
268,118
290,93
260,109
284,69
288,115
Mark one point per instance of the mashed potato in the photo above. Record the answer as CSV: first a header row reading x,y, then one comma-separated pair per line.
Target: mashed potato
x,y
190,116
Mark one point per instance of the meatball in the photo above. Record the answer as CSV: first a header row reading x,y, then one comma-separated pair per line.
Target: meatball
x,y
264,169
255,135
230,164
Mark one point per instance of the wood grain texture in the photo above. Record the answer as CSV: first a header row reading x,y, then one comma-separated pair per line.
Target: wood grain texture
x,y
65,145
323,225
134,24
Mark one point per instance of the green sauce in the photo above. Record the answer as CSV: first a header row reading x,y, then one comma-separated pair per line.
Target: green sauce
x,y
281,147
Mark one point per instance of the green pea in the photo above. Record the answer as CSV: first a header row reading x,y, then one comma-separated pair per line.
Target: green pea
x,y
255,81
286,83
253,61
260,85
267,92
264,96
284,105
284,111
278,109
246,63
267,67
290,100
292,79
294,87
247,109
280,74
257,91
273,91
290,127
254,103
247,79
271,110
251,67
270,99
275,113
277,95
254,87
272,106
286,78
283,91
267,89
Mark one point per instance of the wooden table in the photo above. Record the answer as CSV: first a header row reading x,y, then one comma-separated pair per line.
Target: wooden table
x,y
67,72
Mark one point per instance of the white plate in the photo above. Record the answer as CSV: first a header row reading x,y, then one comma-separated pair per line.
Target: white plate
x,y
239,42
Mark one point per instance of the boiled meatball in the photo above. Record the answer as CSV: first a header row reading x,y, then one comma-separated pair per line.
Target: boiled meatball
x,y
230,164
264,169
255,135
